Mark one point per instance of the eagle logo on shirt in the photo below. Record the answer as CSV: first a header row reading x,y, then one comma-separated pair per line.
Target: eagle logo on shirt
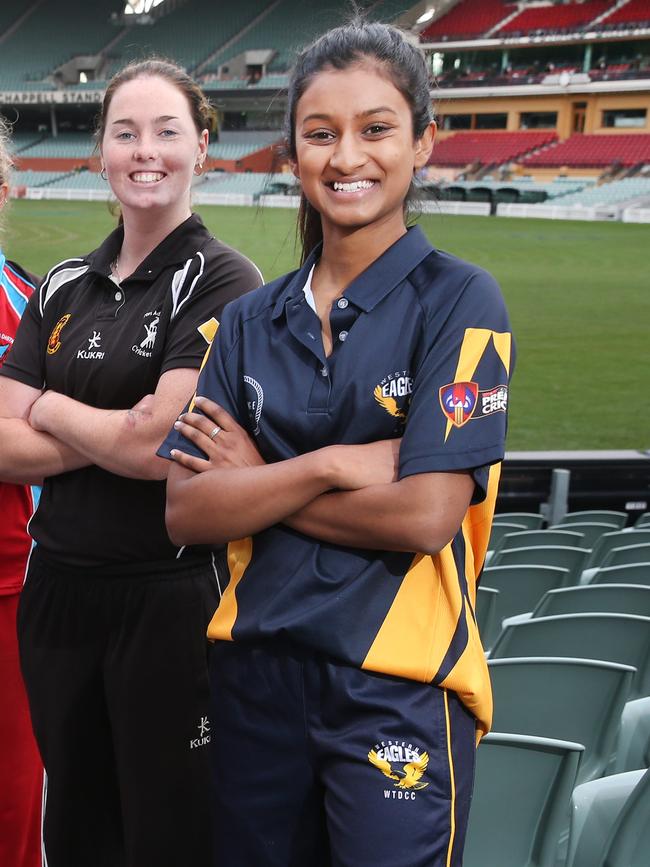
x,y
394,385
414,764
389,403
54,342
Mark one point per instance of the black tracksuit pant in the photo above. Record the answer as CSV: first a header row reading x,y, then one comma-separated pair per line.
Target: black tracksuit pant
x,y
116,674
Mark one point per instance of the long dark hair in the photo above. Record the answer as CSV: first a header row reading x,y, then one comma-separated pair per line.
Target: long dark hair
x,y
360,40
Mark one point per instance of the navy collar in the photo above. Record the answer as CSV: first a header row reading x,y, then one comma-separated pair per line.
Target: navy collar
x,y
376,282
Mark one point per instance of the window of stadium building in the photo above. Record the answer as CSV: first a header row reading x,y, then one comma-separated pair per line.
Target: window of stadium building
x,y
538,120
457,121
491,121
625,117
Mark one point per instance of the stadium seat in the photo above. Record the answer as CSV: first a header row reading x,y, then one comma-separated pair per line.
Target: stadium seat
x,y
486,615
527,538
643,520
488,147
467,18
607,517
591,530
633,748
609,826
591,598
622,638
578,700
530,520
593,151
634,12
630,846
595,809
565,557
571,16
627,555
521,800
629,573
499,531
617,539
521,586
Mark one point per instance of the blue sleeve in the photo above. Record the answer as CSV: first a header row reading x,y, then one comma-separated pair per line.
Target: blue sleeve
x,y
457,417
217,381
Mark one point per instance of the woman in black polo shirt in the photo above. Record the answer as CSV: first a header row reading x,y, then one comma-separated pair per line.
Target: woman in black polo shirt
x,y
357,442
113,615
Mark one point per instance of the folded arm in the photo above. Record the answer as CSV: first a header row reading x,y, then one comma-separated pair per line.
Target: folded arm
x,y
120,441
28,456
346,495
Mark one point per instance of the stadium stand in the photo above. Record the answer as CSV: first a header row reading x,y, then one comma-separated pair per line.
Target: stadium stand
x,y
287,25
609,193
190,34
633,12
468,18
66,144
45,52
556,18
251,183
593,151
81,181
31,178
234,145
488,148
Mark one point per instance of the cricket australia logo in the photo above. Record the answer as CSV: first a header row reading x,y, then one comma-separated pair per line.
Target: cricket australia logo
x,y
93,352
204,734
255,402
145,347
407,778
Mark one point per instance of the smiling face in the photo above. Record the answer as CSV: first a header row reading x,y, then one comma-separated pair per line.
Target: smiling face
x,y
151,146
355,150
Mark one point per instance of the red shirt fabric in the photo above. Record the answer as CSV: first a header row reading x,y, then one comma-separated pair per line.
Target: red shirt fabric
x,y
17,502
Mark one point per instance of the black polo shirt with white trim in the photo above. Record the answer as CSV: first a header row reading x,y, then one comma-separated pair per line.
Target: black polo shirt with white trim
x,y
421,350
107,345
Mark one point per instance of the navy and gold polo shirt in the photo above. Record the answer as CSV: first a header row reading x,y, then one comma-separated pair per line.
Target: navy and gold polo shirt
x,y
422,350
107,345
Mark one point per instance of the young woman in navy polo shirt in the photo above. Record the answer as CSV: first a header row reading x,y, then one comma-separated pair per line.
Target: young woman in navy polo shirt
x,y
345,440
112,617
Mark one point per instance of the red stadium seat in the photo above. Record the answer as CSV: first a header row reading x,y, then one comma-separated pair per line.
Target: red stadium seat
x,y
487,147
556,17
468,18
594,151
634,12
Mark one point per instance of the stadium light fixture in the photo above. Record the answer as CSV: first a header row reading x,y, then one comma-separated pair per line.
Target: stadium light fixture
x,y
426,16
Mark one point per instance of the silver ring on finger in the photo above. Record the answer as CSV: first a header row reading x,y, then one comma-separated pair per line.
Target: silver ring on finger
x,y
213,433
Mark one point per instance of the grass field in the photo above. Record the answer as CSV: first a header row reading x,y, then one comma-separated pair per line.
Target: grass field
x,y
578,295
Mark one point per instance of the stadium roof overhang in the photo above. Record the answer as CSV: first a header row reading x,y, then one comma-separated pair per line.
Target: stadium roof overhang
x,y
640,85
576,38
